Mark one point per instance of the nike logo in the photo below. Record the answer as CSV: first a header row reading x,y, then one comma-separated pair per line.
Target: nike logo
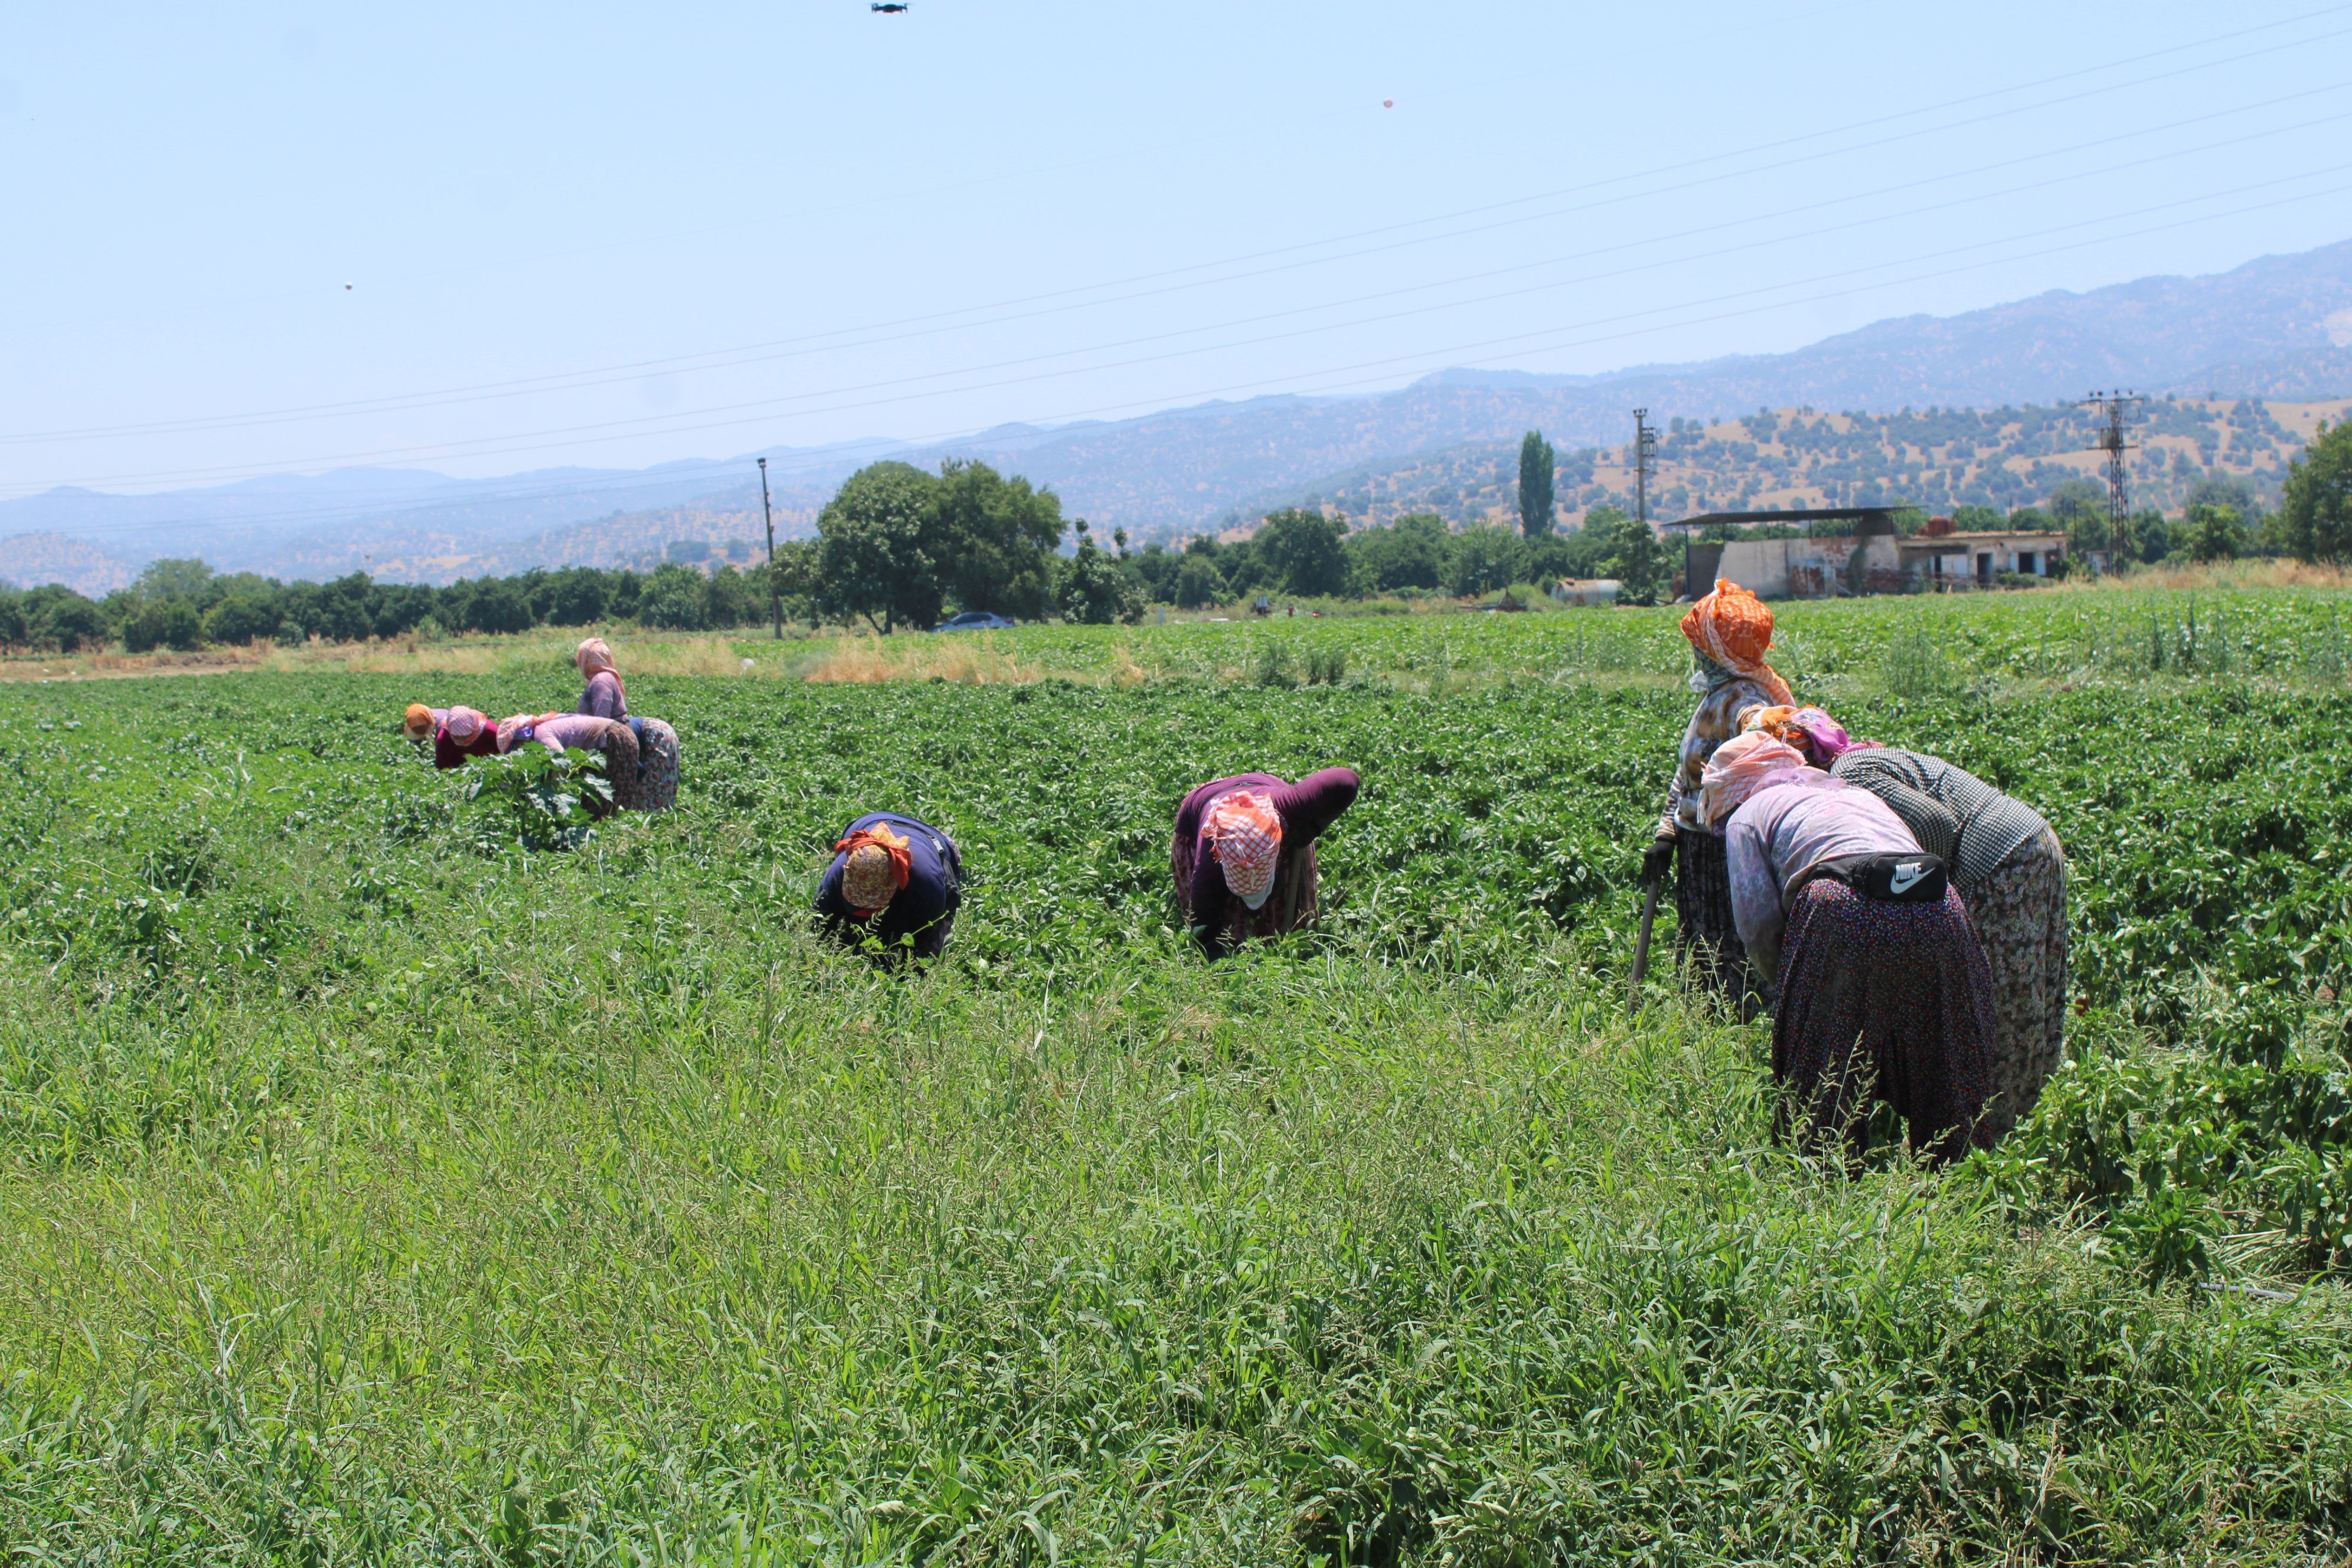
x,y
1907,877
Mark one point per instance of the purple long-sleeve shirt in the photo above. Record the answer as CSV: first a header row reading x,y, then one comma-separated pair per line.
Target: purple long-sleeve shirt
x,y
604,698
1307,809
1783,832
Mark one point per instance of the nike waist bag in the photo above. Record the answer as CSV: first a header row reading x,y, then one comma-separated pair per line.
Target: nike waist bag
x,y
1915,878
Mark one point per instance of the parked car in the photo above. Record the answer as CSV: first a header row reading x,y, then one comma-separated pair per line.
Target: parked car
x,y
973,621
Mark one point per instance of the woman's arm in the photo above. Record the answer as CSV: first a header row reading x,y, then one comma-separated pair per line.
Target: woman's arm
x,y
1314,803
1209,895
1755,895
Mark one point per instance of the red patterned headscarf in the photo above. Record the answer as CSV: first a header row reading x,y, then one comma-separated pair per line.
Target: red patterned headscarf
x,y
1811,731
1244,833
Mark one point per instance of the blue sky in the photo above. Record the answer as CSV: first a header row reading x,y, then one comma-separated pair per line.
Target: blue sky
x,y
617,236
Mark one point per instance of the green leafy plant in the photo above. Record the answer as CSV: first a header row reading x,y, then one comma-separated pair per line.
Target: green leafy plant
x,y
534,799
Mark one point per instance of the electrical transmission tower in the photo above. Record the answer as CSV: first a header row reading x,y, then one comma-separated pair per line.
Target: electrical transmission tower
x,y
2116,412
1646,453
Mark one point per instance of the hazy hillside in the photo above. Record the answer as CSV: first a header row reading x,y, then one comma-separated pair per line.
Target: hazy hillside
x,y
2277,329
1937,459
341,523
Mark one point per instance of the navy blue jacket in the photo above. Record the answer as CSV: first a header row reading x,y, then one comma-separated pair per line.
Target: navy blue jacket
x,y
924,909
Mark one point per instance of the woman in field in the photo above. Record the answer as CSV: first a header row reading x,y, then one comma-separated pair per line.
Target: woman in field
x,y
1884,990
895,882
655,787
2010,872
1729,631
457,733
558,732
1243,854
605,697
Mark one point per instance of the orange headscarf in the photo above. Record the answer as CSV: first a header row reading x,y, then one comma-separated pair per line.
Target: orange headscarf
x,y
417,721
876,866
1734,627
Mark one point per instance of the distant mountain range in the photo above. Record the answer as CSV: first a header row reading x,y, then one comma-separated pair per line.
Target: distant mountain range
x,y
2279,327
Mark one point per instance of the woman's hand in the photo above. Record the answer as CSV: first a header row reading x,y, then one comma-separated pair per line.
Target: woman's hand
x,y
1658,856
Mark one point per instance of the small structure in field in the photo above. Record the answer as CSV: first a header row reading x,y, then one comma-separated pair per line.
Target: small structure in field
x,y
1585,591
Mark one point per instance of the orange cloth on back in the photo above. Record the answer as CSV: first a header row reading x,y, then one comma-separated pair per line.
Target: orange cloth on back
x,y
1734,627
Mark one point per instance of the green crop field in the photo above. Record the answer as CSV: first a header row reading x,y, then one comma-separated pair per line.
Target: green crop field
x,y
379,1187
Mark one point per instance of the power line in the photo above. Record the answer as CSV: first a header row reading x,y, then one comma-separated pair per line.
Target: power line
x,y
639,426
818,343
1383,369
229,422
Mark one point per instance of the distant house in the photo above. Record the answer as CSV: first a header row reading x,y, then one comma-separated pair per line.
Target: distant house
x,y
1585,591
1937,558
1872,560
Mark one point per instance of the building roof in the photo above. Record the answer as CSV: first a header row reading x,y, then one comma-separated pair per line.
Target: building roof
x,y
1934,543
1873,518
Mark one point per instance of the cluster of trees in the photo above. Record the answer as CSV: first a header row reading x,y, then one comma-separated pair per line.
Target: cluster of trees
x,y
185,604
1313,556
897,547
2223,519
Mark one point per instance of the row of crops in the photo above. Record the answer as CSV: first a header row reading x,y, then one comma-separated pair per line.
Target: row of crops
x,y
149,825
381,1190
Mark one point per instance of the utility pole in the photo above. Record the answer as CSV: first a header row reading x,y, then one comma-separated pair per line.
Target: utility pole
x,y
2115,408
1645,451
775,599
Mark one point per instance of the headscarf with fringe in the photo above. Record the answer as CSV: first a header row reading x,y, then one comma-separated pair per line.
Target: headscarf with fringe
x,y
1732,628
1744,765
1244,833
876,864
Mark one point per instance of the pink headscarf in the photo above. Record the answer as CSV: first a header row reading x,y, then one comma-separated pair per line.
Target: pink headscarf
x,y
1744,765
464,723
593,656
1810,730
1244,833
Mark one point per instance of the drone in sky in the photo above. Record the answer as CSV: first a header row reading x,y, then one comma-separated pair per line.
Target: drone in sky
x,y
889,7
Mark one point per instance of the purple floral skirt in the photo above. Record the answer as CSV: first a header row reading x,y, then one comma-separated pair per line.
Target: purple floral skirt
x,y
1882,1000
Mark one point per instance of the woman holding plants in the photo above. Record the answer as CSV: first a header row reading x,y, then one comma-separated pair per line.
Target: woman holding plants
x,y
608,738
1243,854
1884,990
893,888
656,786
2010,872
1729,631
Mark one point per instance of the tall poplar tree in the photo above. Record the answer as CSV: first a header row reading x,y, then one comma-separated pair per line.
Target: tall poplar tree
x,y
1534,485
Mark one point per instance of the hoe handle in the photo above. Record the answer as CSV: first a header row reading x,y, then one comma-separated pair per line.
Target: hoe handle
x,y
1641,945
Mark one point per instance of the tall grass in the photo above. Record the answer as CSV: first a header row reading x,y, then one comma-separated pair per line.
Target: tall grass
x,y
371,1198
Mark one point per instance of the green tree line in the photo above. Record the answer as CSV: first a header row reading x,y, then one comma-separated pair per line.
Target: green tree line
x,y
899,548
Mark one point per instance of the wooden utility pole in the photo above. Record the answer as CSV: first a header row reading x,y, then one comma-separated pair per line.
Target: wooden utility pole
x,y
775,599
